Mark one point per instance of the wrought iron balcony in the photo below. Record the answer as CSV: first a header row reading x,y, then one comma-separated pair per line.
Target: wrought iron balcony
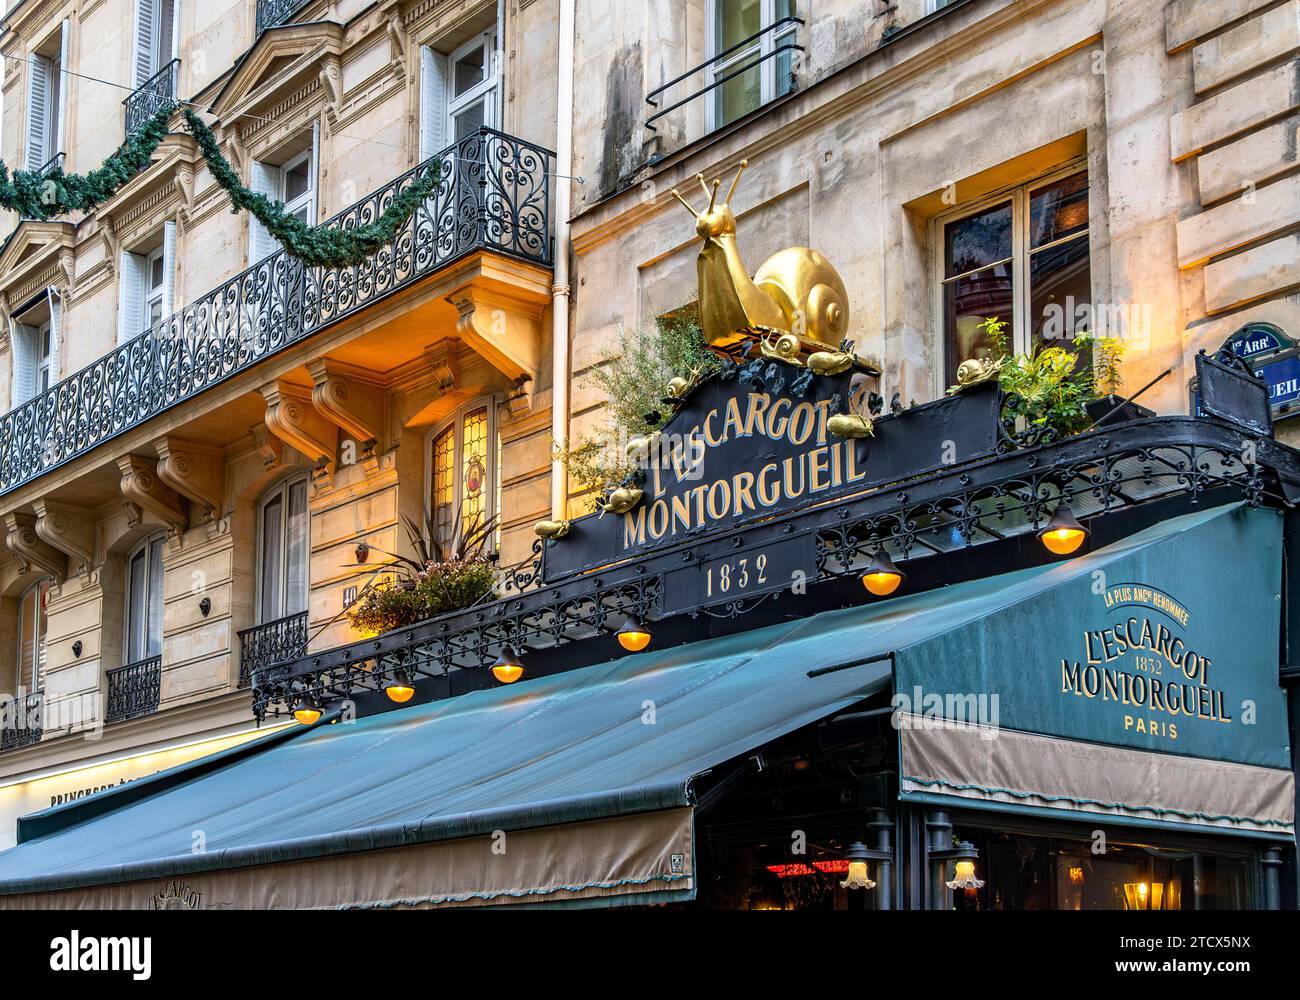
x,y
158,91
133,690
21,724
271,13
54,163
271,642
493,195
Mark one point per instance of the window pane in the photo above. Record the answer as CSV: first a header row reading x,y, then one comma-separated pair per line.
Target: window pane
x,y
155,597
295,591
297,180
968,302
156,272
444,480
739,95
474,469
136,611
1060,291
977,241
470,70
272,553
1058,210
28,613
44,348
737,20
467,122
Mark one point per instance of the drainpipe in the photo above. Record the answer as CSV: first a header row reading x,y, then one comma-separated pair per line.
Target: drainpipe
x,y
560,288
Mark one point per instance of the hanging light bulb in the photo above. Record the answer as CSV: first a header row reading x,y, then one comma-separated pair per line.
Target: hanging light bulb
x,y
1063,534
399,688
508,669
964,876
633,635
307,711
882,577
857,877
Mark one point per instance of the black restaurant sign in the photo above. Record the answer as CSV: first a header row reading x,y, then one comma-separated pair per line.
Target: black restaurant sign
x,y
752,443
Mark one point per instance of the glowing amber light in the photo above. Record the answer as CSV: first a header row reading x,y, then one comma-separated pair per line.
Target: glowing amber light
x,y
507,669
633,636
882,577
1063,534
400,693
307,713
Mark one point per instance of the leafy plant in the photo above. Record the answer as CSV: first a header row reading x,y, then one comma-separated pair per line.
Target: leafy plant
x,y
632,378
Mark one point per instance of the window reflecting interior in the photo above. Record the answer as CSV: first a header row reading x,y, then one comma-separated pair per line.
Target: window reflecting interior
x,y
284,552
144,600
757,80
32,624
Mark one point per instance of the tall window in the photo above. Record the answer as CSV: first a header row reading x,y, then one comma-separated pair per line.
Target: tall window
x,y
292,182
1021,256
155,37
144,600
147,285
458,92
283,549
755,69
46,99
464,456
35,338
31,637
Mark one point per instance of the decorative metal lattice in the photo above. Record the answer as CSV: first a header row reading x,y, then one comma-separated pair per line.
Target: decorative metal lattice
x,y
272,13
271,642
133,690
493,195
21,724
158,92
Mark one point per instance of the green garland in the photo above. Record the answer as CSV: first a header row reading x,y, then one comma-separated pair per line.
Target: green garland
x,y
44,196
325,246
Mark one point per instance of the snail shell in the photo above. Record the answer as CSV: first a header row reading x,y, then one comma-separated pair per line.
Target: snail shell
x,y
551,529
851,425
809,291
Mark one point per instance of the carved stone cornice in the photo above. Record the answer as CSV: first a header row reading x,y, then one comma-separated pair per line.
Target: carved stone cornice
x,y
71,530
195,471
147,498
30,551
355,405
292,418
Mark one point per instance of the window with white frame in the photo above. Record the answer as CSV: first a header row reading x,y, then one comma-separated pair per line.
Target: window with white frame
x,y
144,600
155,41
32,623
293,183
283,550
754,65
459,92
1020,256
932,5
35,335
47,99
463,458
147,286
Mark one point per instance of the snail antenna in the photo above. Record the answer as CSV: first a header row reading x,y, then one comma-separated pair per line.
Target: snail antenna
x,y
736,180
713,195
703,184
685,204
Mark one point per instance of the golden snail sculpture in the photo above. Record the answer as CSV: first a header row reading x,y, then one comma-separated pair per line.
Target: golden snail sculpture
x,y
795,293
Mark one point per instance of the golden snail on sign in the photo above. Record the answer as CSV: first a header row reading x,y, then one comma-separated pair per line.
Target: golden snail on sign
x,y
796,292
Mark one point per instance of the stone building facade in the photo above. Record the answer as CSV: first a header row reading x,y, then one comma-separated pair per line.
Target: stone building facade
x,y
1124,167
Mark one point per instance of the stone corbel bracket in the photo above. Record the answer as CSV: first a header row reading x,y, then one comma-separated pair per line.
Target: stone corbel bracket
x,y
267,445
356,406
147,498
30,551
506,330
292,418
69,529
195,471
443,364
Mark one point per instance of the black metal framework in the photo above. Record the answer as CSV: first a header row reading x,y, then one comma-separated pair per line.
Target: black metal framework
x,y
134,690
272,13
21,725
652,98
158,92
963,506
493,196
271,642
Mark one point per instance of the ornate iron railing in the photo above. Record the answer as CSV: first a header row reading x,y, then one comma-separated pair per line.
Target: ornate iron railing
x,y
493,195
54,163
271,13
271,642
21,724
134,690
986,501
158,92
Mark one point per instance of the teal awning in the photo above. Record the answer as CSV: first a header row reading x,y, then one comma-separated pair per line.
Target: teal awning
x,y
626,738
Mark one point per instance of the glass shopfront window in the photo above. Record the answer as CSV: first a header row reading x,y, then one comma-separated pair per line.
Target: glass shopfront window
x,y
1023,871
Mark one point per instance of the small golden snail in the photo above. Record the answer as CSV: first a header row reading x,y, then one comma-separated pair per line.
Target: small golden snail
x,y
621,500
786,346
830,362
551,530
974,371
677,387
796,291
851,425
